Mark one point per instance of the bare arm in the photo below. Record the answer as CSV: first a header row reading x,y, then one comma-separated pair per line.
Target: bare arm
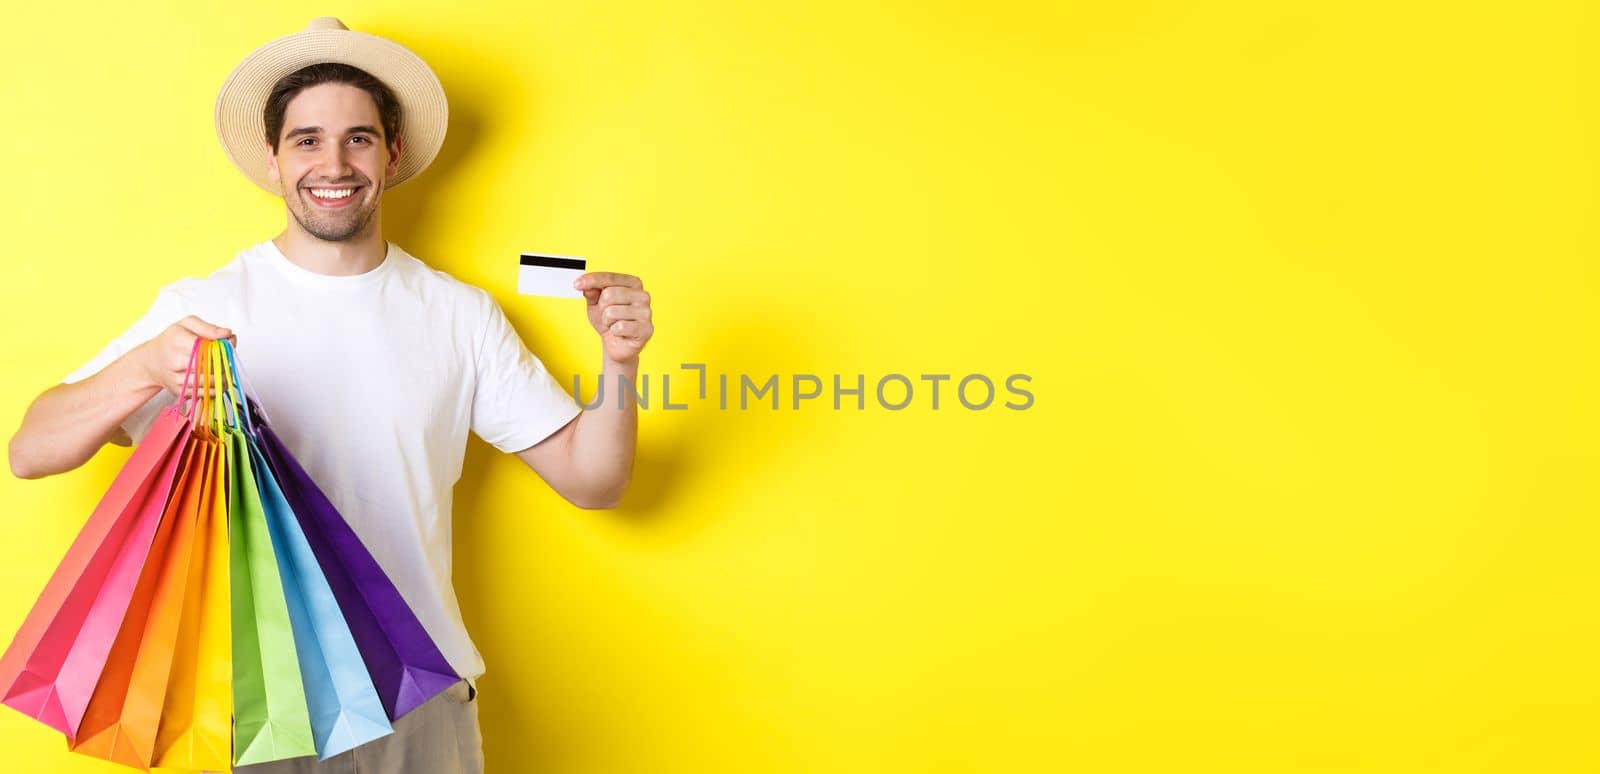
x,y
590,460
68,423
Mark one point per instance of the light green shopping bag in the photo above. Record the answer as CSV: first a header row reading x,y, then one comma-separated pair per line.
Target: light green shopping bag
x,y
270,717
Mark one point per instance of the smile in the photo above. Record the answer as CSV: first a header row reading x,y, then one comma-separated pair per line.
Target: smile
x,y
332,198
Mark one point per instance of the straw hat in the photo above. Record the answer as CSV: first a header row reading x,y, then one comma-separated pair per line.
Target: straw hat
x,y
424,114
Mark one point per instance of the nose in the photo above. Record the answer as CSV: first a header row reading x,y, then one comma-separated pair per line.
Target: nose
x,y
335,165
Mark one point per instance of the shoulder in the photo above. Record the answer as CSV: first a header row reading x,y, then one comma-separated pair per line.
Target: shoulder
x,y
444,290
183,296
229,276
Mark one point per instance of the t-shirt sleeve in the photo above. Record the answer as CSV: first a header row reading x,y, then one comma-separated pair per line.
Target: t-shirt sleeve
x,y
167,309
516,402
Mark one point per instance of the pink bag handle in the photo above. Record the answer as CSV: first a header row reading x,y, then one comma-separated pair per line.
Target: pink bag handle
x,y
194,356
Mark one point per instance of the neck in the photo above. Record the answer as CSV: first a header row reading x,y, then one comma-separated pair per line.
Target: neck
x,y
357,255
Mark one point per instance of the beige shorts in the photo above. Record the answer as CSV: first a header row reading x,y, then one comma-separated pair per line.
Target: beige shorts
x,y
439,737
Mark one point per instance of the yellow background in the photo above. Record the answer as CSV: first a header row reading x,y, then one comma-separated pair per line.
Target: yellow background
x,y
1307,296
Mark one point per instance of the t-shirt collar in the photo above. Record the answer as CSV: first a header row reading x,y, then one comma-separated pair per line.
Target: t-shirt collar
x,y
331,281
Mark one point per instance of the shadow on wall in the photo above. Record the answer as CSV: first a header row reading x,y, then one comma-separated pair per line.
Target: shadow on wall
x,y
682,456
680,484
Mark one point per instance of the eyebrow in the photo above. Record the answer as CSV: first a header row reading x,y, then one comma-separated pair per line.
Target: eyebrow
x,y
300,130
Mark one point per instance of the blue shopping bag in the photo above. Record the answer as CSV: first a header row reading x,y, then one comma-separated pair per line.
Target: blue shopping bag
x,y
340,695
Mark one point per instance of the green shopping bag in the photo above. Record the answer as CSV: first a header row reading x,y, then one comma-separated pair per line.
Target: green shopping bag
x,y
270,716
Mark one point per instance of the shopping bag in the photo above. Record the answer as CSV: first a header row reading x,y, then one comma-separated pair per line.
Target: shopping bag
x,y
50,668
403,660
124,711
271,720
196,729
342,701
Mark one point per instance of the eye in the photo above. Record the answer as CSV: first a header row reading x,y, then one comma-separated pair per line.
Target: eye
x,y
306,140
359,137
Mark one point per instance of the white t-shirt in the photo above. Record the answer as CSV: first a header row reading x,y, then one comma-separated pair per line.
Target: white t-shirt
x,y
372,381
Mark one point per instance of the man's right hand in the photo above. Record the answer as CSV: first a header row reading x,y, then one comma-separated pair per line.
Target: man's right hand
x,y
69,422
165,358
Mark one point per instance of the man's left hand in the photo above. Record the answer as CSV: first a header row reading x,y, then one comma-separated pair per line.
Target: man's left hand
x,y
619,310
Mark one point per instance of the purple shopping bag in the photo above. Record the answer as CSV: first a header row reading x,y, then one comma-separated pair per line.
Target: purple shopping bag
x,y
406,666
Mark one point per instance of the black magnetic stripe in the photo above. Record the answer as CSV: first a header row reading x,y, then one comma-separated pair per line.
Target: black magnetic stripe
x,y
531,259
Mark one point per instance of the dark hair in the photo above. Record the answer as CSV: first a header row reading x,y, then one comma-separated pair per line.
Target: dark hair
x,y
330,72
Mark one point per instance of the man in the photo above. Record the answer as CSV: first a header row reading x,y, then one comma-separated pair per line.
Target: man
x,y
371,366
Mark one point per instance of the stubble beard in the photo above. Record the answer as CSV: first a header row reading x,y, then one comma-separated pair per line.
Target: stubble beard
x,y
332,225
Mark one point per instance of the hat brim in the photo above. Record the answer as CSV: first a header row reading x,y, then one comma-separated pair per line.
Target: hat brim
x,y
424,111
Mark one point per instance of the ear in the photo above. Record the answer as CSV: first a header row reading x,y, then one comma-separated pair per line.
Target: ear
x,y
272,163
394,156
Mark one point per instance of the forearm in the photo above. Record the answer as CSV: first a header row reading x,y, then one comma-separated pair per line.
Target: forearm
x,y
604,438
68,423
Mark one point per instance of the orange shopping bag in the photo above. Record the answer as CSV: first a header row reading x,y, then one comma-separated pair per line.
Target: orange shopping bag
x,y
125,709
196,730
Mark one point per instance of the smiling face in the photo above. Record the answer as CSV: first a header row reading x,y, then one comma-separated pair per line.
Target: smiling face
x,y
332,163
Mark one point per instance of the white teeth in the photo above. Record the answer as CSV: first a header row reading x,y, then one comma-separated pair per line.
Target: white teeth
x,y
323,193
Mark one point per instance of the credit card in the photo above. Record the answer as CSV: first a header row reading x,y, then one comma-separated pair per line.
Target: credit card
x,y
550,275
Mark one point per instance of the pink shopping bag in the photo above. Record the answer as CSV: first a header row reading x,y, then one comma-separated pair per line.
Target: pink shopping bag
x,y
49,670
